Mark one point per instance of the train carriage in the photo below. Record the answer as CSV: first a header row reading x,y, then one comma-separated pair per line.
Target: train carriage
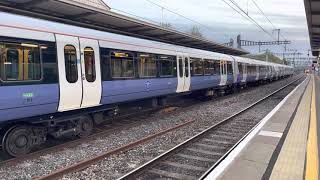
x,y
55,79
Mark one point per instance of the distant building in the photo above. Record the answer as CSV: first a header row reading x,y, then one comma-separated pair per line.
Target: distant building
x,y
94,4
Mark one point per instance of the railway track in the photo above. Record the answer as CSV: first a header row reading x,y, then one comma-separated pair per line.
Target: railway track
x,y
194,157
112,125
88,162
116,123
227,138
127,120
104,129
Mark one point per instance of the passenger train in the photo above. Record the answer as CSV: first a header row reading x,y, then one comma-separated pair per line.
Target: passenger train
x,y
58,79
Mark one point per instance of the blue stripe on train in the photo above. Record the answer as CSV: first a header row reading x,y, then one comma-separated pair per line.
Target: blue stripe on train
x,y
230,79
251,78
203,82
127,90
27,101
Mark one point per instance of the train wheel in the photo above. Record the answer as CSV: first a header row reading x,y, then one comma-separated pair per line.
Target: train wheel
x,y
86,126
17,141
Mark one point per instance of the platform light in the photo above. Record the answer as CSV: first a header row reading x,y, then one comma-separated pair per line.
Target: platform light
x,y
44,47
7,63
29,45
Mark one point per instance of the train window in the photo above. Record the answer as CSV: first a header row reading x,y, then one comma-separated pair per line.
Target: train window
x,y
186,66
70,57
89,62
229,67
122,65
197,66
208,67
216,67
249,69
252,70
147,65
166,66
11,65
20,62
181,66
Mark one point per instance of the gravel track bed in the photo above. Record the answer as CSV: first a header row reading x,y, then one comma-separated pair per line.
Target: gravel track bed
x,y
205,113
254,116
140,155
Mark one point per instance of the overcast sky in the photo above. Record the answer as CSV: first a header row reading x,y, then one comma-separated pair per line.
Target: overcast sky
x,y
220,22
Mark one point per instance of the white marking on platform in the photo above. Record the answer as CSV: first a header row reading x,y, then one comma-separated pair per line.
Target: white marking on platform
x,y
270,134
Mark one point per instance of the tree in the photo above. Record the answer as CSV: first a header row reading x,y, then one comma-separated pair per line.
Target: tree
x,y
195,30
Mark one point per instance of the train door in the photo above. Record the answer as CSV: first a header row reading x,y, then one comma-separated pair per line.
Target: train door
x,y
79,73
183,73
223,70
91,72
257,72
245,71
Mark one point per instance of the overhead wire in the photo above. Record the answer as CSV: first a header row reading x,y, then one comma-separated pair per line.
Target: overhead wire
x,y
267,17
169,10
178,14
253,20
244,13
235,7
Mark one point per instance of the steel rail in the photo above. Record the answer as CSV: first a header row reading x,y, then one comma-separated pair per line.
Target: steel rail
x,y
138,171
88,162
231,149
101,132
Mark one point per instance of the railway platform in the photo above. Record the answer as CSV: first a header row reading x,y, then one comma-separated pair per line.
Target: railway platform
x,y
284,145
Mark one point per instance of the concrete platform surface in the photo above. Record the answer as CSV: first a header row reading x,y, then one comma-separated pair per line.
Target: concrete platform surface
x,y
280,147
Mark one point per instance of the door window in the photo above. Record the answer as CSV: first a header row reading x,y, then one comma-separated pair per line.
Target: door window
x,y
186,65
240,67
180,67
229,67
70,56
223,67
89,63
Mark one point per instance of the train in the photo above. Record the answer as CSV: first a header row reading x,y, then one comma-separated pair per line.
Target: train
x,y
57,79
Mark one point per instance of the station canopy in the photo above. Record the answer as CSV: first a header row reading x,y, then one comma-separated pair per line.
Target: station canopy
x,y
313,18
96,14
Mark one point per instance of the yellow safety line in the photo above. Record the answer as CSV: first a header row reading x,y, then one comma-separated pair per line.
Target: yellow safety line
x,y
312,168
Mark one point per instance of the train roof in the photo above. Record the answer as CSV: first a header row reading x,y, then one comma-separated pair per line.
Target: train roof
x,y
87,14
47,29
32,28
